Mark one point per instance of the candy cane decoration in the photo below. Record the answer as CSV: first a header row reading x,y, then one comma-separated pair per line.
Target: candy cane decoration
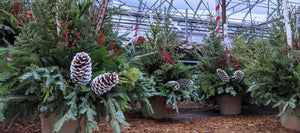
x,y
191,40
135,30
218,16
133,39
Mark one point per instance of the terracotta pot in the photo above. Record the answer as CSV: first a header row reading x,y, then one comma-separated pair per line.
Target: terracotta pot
x,y
229,105
158,104
289,120
47,125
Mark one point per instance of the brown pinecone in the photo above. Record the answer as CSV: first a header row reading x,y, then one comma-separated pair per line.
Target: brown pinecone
x,y
223,75
176,84
104,82
238,74
81,68
185,82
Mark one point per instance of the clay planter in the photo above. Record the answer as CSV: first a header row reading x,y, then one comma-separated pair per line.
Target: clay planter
x,y
229,105
47,125
289,120
158,104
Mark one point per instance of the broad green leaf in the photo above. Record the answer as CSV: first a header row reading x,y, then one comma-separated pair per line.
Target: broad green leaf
x,y
109,65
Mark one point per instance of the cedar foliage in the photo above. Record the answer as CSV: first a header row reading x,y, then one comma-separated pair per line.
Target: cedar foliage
x,y
8,25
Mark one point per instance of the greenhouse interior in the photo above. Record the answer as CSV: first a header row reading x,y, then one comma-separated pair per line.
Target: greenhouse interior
x,y
149,66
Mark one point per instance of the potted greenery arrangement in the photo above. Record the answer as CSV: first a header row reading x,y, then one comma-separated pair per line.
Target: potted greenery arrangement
x,y
275,78
163,67
221,76
59,72
275,70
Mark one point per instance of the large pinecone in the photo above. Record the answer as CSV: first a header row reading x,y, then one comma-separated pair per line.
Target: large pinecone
x,y
238,74
223,75
81,68
185,82
104,82
176,84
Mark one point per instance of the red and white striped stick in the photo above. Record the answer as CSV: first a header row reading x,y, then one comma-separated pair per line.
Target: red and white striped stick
x,y
191,40
218,16
135,30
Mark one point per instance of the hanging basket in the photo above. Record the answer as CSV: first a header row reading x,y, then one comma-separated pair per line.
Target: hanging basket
x,y
229,105
47,125
158,104
289,120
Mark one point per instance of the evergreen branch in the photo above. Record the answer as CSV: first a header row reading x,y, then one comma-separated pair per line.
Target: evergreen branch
x,y
70,115
116,115
14,98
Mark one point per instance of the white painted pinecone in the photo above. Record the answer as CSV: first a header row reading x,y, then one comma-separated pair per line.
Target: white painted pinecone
x,y
176,84
223,75
81,68
185,82
104,82
238,74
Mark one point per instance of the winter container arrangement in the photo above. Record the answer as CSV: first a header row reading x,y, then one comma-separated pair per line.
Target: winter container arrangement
x,y
275,71
61,74
221,76
173,80
274,79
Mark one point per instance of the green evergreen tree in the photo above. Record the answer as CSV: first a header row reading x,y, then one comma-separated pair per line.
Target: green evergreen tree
x,y
216,69
159,59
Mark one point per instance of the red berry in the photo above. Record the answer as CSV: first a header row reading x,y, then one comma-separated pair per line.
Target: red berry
x,y
28,12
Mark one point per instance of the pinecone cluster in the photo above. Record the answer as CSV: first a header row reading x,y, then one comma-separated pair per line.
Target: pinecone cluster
x,y
81,68
238,75
223,75
185,82
176,84
104,82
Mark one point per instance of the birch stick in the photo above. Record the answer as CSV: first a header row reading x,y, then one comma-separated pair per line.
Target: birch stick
x,y
287,23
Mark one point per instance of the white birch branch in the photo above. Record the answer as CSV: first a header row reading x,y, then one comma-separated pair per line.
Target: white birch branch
x,y
287,23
